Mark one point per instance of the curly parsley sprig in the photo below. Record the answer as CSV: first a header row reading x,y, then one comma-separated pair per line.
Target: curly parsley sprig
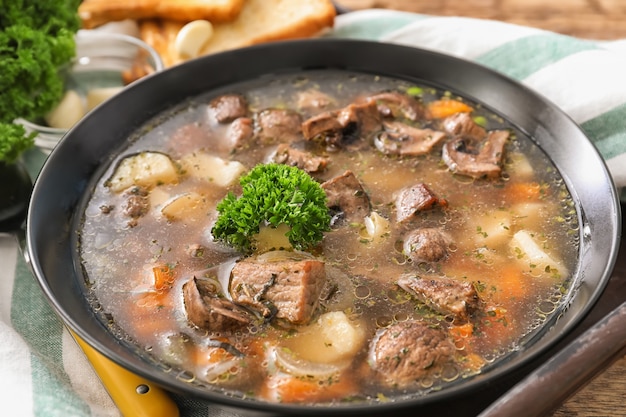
x,y
273,194
36,41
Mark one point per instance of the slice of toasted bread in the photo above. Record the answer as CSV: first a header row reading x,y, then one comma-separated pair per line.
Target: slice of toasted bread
x,y
259,21
94,13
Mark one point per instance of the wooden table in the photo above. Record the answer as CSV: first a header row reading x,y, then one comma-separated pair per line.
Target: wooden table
x,y
593,19
605,394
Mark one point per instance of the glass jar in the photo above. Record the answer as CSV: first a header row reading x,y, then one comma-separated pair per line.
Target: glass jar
x,y
104,61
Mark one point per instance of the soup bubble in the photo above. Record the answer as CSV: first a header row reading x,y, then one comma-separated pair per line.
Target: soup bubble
x,y
449,373
426,382
546,307
186,376
361,292
383,321
401,316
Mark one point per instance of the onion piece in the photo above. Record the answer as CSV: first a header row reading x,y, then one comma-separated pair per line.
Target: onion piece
x,y
217,369
289,362
376,225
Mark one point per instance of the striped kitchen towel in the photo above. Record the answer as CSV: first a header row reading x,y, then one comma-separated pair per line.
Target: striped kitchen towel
x,y
44,374
585,78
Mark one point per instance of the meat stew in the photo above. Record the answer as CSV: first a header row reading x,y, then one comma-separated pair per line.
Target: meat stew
x,y
452,239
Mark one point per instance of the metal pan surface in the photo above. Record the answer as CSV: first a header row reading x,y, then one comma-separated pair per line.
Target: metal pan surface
x,y
73,166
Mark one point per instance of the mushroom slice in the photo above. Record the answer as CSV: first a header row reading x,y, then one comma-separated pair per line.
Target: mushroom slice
x,y
401,139
285,154
207,310
395,104
486,163
462,125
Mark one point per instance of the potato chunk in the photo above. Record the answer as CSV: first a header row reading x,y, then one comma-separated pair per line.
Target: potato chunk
x,y
146,169
270,237
211,168
187,207
334,337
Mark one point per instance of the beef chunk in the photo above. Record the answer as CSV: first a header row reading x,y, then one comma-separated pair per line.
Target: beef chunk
x,y
240,133
325,122
401,139
407,351
426,245
447,296
287,155
286,289
463,159
395,104
413,199
360,116
462,125
338,128
278,125
206,310
228,107
346,194
137,202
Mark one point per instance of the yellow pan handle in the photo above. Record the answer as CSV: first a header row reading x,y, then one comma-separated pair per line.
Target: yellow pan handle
x,y
134,396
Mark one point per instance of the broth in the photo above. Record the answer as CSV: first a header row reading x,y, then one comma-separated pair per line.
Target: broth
x,y
465,277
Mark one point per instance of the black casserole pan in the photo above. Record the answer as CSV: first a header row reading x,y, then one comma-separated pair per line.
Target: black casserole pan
x,y
73,167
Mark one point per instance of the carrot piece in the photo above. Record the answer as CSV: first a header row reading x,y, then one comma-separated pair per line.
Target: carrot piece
x,y
289,389
510,285
445,107
163,277
519,192
144,313
218,354
473,362
211,355
461,333
463,337
496,327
